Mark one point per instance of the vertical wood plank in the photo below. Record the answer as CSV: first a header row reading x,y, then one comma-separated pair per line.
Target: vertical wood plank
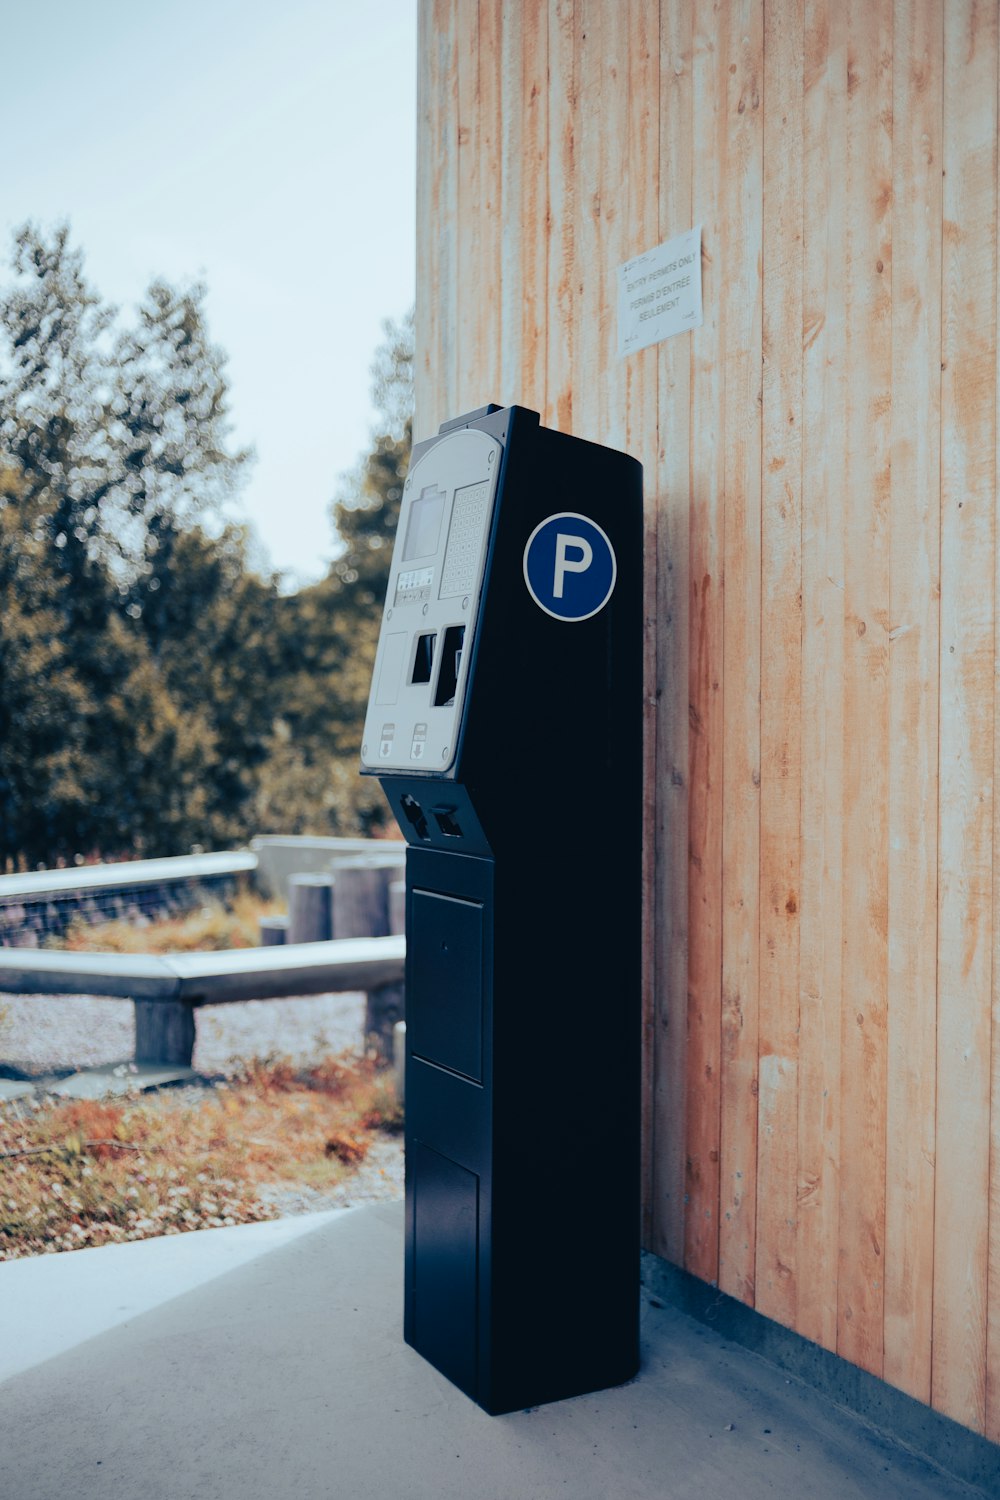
x,y
640,211
511,184
587,372
968,541
673,591
992,1425
425,365
488,271
705,667
781,667
540,167
602,105
614,241
740,63
822,719
534,231
470,226
866,513
446,178
914,563
641,440
563,188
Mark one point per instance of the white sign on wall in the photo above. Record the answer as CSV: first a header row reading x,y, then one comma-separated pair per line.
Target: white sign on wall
x,y
659,293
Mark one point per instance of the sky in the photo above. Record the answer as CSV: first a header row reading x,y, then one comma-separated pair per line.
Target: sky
x,y
265,147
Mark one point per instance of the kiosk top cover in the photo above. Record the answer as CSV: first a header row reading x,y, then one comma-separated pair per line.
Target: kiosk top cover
x,y
432,606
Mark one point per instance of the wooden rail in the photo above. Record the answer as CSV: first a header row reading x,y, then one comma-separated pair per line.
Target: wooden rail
x,y
36,885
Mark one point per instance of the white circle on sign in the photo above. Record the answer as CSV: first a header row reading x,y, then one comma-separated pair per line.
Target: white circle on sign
x,y
570,567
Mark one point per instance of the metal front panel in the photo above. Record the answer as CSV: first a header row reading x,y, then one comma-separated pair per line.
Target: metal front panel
x,y
444,1270
444,1001
432,606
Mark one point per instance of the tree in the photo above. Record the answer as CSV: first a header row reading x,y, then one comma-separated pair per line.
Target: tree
x,y
211,626
42,698
366,509
155,688
112,447
108,427
335,623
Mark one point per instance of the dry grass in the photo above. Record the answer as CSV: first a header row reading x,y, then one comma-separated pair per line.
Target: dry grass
x,y
213,928
92,1172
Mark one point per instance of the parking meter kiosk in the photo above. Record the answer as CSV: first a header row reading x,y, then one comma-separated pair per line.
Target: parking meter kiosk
x,y
505,727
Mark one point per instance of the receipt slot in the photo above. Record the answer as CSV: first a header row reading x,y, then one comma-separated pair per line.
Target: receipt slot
x,y
504,724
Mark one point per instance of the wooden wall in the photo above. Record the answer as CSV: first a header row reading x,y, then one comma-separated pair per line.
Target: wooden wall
x,y
822,1073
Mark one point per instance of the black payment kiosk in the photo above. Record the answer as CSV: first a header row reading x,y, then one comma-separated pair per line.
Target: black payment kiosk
x,y
505,726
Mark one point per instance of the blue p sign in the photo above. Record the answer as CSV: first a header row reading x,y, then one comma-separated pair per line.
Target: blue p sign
x,y
569,566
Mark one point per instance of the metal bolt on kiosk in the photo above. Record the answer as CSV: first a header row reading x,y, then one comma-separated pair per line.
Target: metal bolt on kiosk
x,y
504,724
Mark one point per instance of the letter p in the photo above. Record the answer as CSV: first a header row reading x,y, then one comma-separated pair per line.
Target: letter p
x,y
566,565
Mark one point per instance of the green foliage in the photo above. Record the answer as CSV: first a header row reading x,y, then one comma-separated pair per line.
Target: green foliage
x,y
120,720
335,625
108,427
156,690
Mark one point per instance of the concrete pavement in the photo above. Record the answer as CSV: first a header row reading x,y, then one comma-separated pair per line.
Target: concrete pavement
x,y
284,1373
52,1303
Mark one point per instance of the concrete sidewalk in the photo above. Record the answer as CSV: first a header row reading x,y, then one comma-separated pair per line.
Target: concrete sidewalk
x,y
285,1374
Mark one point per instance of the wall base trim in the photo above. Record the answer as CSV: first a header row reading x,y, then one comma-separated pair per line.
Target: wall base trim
x,y
961,1452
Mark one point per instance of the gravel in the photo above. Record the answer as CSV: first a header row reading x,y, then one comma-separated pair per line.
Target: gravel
x,y
49,1034
379,1177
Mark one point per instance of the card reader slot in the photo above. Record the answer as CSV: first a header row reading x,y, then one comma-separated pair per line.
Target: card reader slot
x,y
450,666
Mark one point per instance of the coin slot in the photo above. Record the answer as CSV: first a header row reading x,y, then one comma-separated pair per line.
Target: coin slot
x,y
414,815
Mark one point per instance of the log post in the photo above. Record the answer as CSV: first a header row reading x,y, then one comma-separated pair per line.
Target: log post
x,y
399,1059
362,908
397,906
273,931
361,896
310,908
164,1032
384,1008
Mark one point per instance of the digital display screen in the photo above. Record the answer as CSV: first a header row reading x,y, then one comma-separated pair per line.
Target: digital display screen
x,y
424,525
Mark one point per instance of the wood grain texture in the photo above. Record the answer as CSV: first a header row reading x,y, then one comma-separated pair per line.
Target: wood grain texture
x,y
992,1424
533,227
968,541
425,333
510,70
587,258
780,668
705,667
562,195
740,75
445,175
617,232
640,379
469,227
488,272
824,383
820,602
914,644
673,592
866,515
